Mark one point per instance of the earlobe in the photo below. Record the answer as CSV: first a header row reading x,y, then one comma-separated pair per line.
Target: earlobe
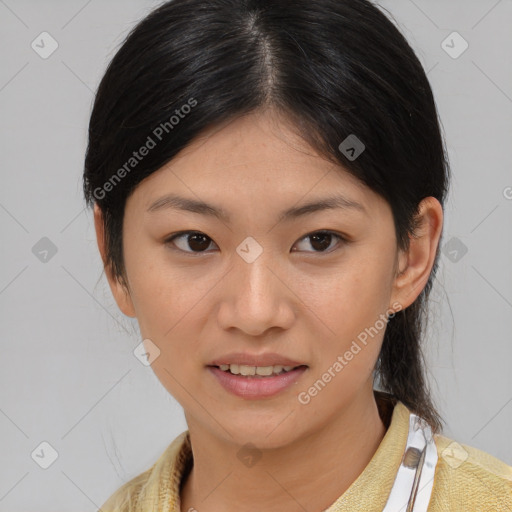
x,y
123,298
415,265
119,290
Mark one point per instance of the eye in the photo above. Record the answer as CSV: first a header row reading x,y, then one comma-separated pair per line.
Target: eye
x,y
322,240
194,240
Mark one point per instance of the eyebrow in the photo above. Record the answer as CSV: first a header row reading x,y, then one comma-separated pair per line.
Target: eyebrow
x,y
191,205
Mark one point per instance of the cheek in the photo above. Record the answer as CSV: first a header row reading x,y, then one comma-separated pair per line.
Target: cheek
x,y
163,293
350,300
170,302
168,311
345,357
350,311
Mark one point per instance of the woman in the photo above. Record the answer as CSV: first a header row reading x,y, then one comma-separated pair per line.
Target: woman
x,y
268,181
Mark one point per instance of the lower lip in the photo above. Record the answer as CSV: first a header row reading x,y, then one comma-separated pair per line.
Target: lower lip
x,y
256,387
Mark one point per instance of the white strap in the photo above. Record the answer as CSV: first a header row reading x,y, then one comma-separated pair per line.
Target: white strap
x,y
414,479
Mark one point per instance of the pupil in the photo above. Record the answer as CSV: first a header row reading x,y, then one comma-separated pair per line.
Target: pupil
x,y
324,238
193,244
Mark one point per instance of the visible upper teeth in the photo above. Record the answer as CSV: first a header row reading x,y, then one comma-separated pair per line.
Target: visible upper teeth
x,y
243,369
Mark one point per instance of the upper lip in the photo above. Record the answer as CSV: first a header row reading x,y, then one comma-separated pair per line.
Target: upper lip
x,y
269,359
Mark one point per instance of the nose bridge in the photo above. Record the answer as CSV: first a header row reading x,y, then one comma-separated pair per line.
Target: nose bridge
x,y
257,300
256,281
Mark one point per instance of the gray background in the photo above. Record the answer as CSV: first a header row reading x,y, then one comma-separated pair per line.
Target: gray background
x,y
67,372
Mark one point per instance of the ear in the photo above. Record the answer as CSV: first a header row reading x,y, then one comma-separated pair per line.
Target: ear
x,y
119,290
416,263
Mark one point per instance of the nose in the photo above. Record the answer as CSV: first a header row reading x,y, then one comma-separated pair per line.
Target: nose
x,y
256,297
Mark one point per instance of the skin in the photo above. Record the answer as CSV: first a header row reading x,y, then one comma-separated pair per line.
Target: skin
x,y
306,304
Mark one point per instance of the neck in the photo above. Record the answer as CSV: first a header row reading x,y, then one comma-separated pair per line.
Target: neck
x,y
330,459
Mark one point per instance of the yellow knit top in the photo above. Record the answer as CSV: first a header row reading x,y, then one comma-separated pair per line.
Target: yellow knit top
x,y
466,479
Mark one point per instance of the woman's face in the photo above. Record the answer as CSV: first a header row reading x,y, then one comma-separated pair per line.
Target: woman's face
x,y
257,281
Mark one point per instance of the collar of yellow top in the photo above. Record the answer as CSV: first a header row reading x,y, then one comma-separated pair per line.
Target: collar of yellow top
x,y
161,488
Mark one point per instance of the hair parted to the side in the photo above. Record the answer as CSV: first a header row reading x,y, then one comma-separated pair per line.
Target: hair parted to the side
x,y
332,67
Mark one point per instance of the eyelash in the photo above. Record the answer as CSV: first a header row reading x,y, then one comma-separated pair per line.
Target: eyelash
x,y
341,240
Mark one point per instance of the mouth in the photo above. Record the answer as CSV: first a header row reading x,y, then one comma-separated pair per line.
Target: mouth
x,y
247,382
256,371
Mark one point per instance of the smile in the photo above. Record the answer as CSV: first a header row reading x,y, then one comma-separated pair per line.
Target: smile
x,y
259,371
256,382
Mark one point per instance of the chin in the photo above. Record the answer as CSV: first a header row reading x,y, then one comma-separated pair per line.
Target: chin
x,y
272,432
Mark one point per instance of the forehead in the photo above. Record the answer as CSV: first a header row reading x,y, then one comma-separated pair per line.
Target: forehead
x,y
255,161
266,141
